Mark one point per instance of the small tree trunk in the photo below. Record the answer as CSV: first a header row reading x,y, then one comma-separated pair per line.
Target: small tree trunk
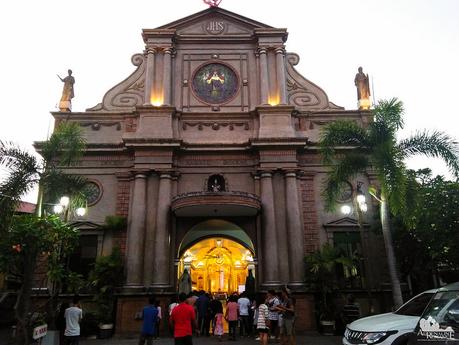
x,y
391,261
39,207
365,254
23,302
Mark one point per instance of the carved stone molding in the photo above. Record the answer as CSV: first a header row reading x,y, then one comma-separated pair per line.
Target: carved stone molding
x,y
95,126
216,125
129,93
303,93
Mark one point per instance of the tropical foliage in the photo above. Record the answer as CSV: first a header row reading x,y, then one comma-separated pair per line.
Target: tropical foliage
x,y
429,244
104,278
24,172
321,269
352,150
29,237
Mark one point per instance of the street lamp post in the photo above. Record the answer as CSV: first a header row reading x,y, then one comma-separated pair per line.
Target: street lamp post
x,y
360,207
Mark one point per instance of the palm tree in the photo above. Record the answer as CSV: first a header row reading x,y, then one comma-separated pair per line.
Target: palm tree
x,y
25,170
351,150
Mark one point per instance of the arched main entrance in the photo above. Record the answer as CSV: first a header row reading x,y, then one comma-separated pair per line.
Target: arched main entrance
x,y
218,255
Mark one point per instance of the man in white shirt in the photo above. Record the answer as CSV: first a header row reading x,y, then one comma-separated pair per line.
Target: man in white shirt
x,y
73,316
244,305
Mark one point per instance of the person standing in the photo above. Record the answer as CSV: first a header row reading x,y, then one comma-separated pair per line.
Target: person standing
x,y
273,302
158,319
244,306
202,305
73,316
232,316
215,307
149,317
262,320
182,321
287,310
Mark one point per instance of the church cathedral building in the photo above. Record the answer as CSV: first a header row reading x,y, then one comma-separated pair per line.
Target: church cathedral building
x,y
209,149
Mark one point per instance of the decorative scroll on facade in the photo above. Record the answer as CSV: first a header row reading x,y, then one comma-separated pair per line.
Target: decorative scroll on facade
x,y
303,93
127,94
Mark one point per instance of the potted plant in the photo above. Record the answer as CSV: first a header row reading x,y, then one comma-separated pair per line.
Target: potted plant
x,y
106,275
321,278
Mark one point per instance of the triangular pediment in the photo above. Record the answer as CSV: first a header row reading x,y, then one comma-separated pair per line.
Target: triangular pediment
x,y
86,226
343,223
191,23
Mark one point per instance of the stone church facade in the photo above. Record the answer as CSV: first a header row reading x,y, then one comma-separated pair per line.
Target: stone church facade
x,y
209,150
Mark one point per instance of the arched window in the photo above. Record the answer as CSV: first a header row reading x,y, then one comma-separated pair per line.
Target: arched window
x,y
216,183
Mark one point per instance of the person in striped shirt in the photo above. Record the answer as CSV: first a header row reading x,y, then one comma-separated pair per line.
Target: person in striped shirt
x,y
263,320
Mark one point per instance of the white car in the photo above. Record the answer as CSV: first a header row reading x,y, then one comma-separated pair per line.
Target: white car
x,y
389,328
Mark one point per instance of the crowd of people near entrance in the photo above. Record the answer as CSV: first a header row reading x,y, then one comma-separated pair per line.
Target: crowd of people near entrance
x,y
266,317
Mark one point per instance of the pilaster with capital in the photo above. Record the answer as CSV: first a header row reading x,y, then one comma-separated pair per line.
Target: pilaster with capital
x,y
280,74
149,75
167,77
270,250
294,230
136,232
161,262
264,78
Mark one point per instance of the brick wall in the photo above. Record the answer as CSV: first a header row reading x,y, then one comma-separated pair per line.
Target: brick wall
x,y
122,208
311,228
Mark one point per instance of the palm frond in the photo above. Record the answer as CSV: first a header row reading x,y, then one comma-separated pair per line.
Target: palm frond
x,y
13,157
57,184
435,144
65,146
390,113
347,166
341,133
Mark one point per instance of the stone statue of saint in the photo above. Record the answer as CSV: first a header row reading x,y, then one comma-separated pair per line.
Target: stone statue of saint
x,y
67,92
362,84
250,283
216,186
185,282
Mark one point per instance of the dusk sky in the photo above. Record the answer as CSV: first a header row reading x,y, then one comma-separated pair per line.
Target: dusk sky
x,y
410,49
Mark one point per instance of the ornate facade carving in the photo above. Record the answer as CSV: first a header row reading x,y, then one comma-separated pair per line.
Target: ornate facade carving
x,y
216,125
303,93
127,94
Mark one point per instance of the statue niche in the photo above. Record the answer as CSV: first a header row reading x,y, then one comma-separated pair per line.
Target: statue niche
x,y
216,183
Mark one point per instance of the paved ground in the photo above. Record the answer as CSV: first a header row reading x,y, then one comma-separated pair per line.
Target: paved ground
x,y
315,339
312,339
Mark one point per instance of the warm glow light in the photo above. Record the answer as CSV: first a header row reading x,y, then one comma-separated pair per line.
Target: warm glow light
x,y
363,206
157,100
58,208
64,201
274,100
346,209
80,211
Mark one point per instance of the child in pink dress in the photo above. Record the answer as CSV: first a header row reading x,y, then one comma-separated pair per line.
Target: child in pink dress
x,y
218,331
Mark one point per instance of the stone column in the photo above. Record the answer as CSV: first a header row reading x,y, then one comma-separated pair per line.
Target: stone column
x,y
136,232
167,76
150,229
149,75
294,231
270,253
280,74
264,79
161,262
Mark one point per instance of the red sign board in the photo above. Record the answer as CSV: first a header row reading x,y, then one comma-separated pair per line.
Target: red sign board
x,y
40,331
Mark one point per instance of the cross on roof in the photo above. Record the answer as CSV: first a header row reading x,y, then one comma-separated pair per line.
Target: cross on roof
x,y
213,3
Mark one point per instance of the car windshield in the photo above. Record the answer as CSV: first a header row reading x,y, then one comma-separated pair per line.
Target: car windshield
x,y
444,309
416,306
